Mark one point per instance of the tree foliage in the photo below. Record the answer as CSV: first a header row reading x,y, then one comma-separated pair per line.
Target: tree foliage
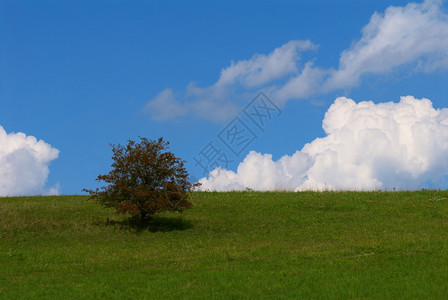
x,y
145,179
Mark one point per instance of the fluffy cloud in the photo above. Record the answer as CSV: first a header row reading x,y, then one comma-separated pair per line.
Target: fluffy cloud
x,y
261,69
24,164
303,85
367,146
213,102
415,35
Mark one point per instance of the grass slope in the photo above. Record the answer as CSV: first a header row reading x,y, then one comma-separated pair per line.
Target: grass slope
x,y
230,245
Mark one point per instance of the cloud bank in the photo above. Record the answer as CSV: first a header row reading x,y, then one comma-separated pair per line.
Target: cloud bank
x,y
416,33
415,36
213,102
367,146
24,164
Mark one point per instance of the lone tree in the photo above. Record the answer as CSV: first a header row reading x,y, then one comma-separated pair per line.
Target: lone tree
x,y
145,179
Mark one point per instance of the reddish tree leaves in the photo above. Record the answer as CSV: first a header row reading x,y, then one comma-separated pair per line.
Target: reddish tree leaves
x,y
145,179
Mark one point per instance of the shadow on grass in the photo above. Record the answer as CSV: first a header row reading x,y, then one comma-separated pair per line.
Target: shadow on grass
x,y
156,224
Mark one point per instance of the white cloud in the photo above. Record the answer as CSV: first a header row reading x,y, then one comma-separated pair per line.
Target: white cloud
x,y
305,84
217,102
165,107
210,104
261,69
24,164
368,146
414,35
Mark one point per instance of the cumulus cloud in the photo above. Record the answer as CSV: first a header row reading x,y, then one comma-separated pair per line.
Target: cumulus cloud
x,y
304,85
217,102
367,146
24,164
261,69
415,35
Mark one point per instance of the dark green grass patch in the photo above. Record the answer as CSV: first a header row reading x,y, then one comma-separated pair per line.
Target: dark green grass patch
x,y
373,245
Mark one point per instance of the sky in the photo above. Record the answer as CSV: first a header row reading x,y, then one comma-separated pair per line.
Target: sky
x,y
266,95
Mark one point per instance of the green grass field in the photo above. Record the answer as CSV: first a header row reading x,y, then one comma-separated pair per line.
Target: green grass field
x,y
375,245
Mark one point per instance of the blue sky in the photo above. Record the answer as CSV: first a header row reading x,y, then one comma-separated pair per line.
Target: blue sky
x,y
79,74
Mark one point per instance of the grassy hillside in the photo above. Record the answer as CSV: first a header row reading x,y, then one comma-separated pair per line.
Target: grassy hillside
x,y
230,245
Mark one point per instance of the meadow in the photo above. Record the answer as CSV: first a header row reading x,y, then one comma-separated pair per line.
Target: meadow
x,y
236,245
